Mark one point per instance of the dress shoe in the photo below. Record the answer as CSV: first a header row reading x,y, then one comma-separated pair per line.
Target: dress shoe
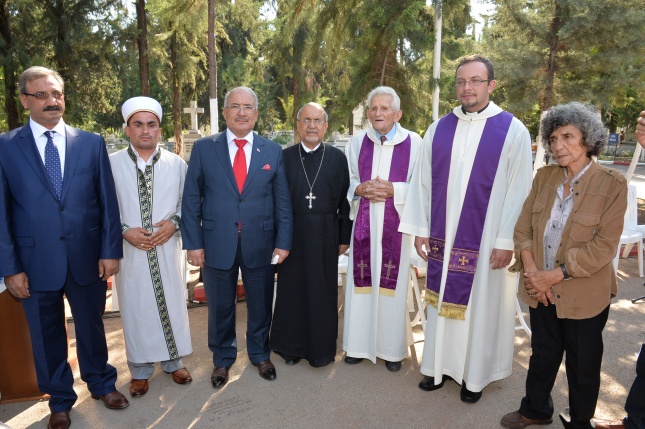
x,y
288,359
318,364
393,366
428,385
181,376
267,370
138,387
113,400
469,396
219,377
352,360
609,424
59,420
515,420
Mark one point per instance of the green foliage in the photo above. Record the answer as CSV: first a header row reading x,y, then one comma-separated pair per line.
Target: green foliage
x,y
555,51
331,51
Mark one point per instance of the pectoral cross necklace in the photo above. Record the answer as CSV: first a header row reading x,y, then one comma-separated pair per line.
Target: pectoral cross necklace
x,y
311,195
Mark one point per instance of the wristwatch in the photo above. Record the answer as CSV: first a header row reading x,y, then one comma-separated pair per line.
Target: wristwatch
x,y
565,272
175,221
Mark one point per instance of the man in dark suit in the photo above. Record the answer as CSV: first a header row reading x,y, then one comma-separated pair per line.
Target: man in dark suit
x,y
236,215
60,234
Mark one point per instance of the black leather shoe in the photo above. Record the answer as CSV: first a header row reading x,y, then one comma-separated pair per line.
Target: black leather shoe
x,y
219,377
468,396
266,370
352,360
319,364
428,385
288,359
393,366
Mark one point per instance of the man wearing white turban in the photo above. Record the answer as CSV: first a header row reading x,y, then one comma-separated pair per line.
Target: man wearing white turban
x,y
151,285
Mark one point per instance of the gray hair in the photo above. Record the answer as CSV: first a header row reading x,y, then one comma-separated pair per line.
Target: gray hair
x,y
584,117
37,72
245,89
385,90
314,105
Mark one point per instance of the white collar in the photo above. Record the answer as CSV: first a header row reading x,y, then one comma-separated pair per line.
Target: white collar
x,y
38,129
230,137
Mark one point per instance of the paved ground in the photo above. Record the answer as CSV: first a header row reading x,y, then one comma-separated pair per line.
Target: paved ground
x,y
340,395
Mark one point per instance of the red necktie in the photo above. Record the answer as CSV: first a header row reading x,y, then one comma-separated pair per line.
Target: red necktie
x,y
239,164
383,138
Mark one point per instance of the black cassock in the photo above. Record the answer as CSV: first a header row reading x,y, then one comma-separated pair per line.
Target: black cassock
x,y
305,319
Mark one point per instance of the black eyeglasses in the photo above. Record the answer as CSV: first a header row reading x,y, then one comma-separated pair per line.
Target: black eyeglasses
x,y
41,95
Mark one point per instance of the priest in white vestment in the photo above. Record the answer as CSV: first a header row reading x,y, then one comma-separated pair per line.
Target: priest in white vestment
x,y
151,283
381,161
464,199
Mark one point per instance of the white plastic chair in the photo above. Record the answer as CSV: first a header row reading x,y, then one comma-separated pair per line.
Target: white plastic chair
x,y
416,264
520,318
632,232
343,260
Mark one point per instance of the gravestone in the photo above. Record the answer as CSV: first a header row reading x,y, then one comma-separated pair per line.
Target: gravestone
x,y
194,133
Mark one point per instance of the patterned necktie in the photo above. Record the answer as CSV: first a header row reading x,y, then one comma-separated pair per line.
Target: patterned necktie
x,y
52,164
239,164
383,138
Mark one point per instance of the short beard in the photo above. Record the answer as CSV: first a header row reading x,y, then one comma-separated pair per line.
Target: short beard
x,y
311,139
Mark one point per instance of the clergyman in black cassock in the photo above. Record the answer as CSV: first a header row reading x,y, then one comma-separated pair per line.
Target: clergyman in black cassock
x,y
305,318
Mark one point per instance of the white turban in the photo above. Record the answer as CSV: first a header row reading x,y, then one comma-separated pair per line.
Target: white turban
x,y
140,104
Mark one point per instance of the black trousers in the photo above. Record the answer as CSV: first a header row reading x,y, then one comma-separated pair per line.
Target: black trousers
x,y
582,342
635,404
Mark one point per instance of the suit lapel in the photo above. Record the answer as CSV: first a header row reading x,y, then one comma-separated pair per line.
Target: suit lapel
x,y
73,149
221,150
27,145
257,156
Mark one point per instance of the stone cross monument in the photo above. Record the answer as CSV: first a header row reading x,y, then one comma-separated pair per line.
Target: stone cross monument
x,y
193,133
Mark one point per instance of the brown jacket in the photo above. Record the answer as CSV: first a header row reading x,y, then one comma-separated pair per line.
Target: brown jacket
x,y
589,239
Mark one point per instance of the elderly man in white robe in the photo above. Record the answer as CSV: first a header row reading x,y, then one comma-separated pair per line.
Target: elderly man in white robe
x,y
151,284
464,199
381,161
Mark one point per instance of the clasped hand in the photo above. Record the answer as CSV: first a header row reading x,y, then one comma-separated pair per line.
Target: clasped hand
x,y
538,284
144,239
376,190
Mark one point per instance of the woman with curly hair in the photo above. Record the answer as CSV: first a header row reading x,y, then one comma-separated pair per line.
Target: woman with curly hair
x,y
565,240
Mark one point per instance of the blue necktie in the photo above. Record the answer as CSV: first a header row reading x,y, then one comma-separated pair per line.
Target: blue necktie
x,y
52,163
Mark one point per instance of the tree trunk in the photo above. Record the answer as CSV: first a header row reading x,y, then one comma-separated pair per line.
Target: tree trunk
x,y
142,43
62,59
9,69
383,69
212,68
176,96
554,27
296,70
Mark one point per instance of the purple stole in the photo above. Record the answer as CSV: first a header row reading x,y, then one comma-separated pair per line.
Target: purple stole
x,y
391,242
465,251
